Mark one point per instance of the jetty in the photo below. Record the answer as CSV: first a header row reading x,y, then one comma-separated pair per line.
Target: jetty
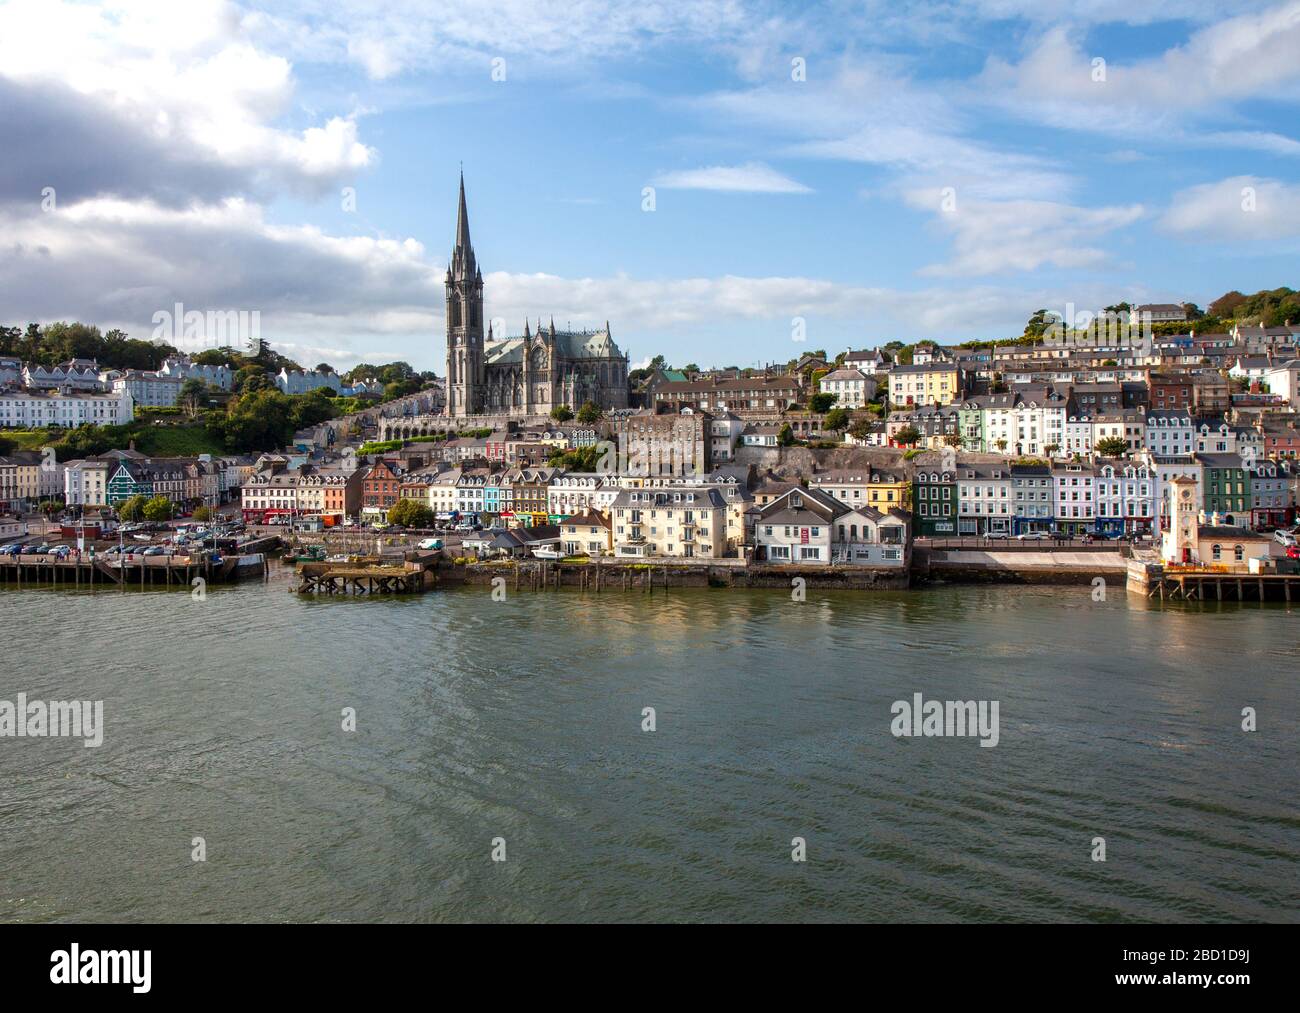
x,y
367,577
128,570
1209,583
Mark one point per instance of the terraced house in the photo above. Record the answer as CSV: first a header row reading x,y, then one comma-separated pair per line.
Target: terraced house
x,y
1170,432
984,499
1126,494
935,496
1272,493
1073,484
1034,500
933,383
1226,485
379,490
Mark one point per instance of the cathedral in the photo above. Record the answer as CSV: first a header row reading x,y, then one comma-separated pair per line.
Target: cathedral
x,y
525,375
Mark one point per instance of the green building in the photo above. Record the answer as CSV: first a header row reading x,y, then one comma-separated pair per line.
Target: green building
x,y
934,501
1226,487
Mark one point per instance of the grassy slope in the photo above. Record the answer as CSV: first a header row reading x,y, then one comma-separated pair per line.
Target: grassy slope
x,y
166,441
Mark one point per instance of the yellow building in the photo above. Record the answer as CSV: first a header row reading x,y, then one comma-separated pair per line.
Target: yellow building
x,y
929,384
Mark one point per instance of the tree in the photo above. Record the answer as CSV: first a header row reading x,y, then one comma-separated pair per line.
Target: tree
x,y
860,429
785,438
1112,446
202,514
409,513
192,393
908,436
1051,449
821,403
251,378
836,420
131,509
561,413
953,440
590,413
158,509
1002,446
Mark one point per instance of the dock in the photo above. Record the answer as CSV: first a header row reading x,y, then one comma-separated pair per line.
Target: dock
x,y
365,578
1153,580
134,571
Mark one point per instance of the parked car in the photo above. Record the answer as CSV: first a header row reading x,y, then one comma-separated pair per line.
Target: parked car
x,y
154,550
430,543
1293,552
1032,536
1284,538
60,551
997,535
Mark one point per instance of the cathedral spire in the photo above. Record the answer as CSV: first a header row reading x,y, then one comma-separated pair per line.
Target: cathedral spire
x,y
462,219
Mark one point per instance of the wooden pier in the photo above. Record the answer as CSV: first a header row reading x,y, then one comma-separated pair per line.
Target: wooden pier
x,y
357,579
1211,584
135,571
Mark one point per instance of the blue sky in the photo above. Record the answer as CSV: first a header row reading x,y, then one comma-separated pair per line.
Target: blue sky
x,y
941,170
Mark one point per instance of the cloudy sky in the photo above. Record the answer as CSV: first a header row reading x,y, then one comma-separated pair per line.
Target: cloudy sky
x,y
701,174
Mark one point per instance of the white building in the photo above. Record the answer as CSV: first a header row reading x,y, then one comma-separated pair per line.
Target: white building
x,y
681,523
1075,501
304,383
152,390
984,499
724,433
1283,379
85,483
1170,433
1125,492
36,409
577,492
76,374
811,526
852,388
220,376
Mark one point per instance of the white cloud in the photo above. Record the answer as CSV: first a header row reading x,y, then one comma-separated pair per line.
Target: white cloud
x,y
752,177
181,90
870,111
1059,83
993,237
1241,209
543,35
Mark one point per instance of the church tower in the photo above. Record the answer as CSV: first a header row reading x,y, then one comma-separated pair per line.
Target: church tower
x,y
464,282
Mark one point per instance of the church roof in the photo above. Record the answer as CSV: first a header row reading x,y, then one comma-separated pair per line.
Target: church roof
x,y
568,344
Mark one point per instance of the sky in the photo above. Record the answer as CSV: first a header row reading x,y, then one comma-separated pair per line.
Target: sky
x,y
727,182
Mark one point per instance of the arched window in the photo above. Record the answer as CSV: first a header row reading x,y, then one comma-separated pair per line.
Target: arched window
x,y
1218,552
1238,553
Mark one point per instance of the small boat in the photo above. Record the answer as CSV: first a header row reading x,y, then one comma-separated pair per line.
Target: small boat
x,y
547,554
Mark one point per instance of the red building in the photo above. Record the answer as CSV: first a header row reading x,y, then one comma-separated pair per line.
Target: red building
x,y
379,489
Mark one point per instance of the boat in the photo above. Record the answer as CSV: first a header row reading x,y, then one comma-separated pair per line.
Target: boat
x,y
547,554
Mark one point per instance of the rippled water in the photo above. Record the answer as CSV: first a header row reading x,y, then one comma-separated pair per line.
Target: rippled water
x,y
522,720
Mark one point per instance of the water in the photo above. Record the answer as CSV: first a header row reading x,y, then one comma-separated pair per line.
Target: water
x,y
522,720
